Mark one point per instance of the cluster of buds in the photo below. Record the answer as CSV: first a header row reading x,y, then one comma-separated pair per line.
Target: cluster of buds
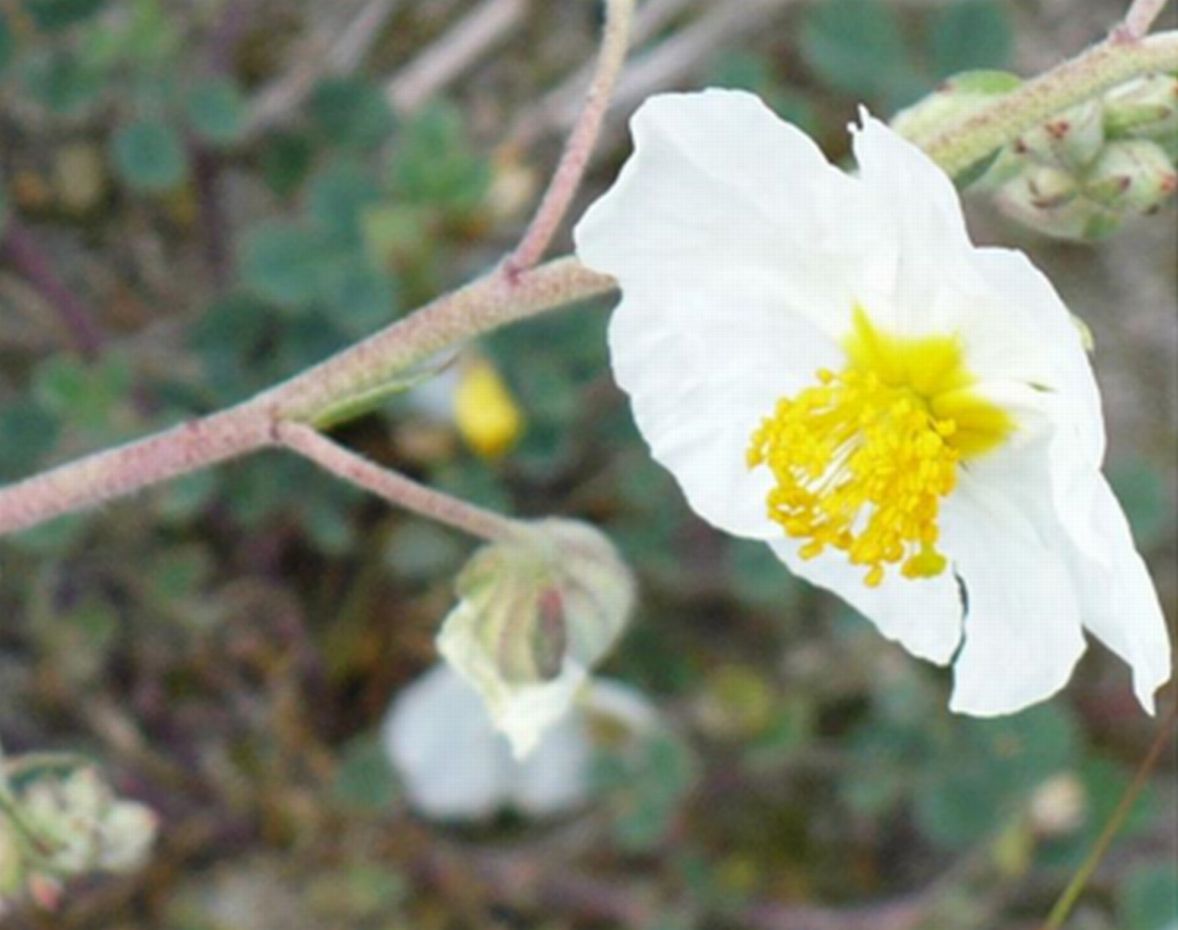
x,y
58,820
1087,170
536,614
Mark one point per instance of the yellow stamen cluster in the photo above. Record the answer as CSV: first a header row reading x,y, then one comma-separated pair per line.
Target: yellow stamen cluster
x,y
861,467
863,458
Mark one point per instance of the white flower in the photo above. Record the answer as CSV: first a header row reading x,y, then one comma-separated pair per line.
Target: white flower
x,y
825,362
454,764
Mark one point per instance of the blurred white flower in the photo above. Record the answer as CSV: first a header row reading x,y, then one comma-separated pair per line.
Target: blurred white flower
x,y
825,362
535,615
454,765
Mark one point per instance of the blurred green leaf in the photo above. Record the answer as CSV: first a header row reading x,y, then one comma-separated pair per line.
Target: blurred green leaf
x,y
337,199
27,434
360,297
434,162
970,34
856,47
988,769
216,110
364,780
279,262
149,156
1149,899
60,80
57,14
83,394
351,112
1142,491
645,785
286,161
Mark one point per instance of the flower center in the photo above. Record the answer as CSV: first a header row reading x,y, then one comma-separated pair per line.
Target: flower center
x,y
863,458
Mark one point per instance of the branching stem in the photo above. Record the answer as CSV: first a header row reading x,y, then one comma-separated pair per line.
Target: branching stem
x,y
393,486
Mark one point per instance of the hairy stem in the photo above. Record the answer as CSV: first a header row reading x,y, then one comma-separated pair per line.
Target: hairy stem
x,y
1114,61
477,308
115,472
567,178
393,486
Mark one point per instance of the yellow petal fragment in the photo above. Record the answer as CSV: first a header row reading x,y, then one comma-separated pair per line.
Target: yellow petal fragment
x,y
485,412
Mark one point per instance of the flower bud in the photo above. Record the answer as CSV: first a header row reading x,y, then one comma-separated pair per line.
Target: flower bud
x,y
1134,175
80,826
1145,107
1070,140
535,614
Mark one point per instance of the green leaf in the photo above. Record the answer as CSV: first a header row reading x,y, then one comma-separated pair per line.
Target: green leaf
x,y
337,199
1143,492
216,110
856,47
1149,899
27,435
364,779
988,769
82,394
57,14
149,156
278,263
435,163
60,80
970,34
360,297
286,160
351,112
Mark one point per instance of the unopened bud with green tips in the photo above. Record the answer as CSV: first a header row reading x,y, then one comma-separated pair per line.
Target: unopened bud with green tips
x,y
1071,140
536,613
1143,108
1134,175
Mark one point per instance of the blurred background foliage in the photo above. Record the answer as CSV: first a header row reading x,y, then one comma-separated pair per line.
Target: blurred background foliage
x,y
201,198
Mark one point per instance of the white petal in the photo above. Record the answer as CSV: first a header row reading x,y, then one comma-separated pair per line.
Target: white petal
x,y
1026,333
521,711
922,614
923,214
555,777
452,763
1118,600
1022,624
740,254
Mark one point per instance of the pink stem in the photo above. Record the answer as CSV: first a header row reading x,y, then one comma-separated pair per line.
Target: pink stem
x,y
579,146
115,472
1141,16
394,487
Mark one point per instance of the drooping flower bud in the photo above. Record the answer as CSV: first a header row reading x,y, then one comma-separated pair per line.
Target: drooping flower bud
x,y
535,615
